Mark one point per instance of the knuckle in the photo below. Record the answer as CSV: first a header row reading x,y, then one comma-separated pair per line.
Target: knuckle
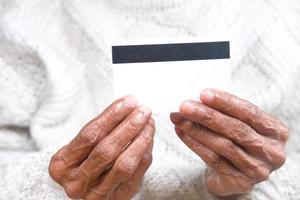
x,y
253,112
237,129
262,174
227,104
210,116
214,160
113,116
276,128
284,136
98,196
240,128
227,144
53,172
133,126
87,135
147,160
243,133
215,140
248,140
270,128
279,159
56,169
74,189
125,168
284,130
245,186
105,152
227,147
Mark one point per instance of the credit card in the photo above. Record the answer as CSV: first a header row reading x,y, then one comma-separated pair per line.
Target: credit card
x,y
164,74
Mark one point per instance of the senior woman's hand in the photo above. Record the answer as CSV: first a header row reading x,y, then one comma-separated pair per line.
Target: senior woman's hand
x,y
240,143
110,155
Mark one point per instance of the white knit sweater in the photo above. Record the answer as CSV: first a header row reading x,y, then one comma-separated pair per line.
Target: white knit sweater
x,y
55,75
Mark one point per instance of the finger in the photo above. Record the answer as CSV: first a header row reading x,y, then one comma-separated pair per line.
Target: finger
x,y
208,156
247,112
150,124
128,161
95,130
151,121
225,170
111,146
231,128
127,189
237,131
226,185
249,165
126,164
130,187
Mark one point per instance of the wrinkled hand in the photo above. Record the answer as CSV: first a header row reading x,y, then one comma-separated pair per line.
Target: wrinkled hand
x,y
110,155
240,143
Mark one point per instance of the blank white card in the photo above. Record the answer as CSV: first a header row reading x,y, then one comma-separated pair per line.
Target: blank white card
x,y
163,75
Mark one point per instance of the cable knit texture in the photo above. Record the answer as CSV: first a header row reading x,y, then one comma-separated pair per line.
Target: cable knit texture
x,y
55,75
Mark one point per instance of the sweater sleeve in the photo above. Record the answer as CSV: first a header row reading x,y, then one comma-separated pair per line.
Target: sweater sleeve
x,y
277,58
46,95
24,162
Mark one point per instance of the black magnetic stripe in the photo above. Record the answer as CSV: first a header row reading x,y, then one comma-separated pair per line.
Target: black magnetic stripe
x,y
170,52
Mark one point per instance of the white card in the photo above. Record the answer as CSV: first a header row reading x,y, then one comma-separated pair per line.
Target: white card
x,y
164,74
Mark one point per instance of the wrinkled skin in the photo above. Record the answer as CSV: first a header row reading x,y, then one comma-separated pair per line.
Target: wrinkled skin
x,y
108,158
239,142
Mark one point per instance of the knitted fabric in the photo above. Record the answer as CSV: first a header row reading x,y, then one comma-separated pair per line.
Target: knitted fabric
x,y
56,74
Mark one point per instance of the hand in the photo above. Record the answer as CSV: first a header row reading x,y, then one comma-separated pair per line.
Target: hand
x,y
240,143
110,155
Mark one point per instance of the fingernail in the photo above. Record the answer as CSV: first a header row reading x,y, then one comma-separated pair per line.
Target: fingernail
x,y
130,101
207,96
187,108
176,118
145,110
143,113
139,118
